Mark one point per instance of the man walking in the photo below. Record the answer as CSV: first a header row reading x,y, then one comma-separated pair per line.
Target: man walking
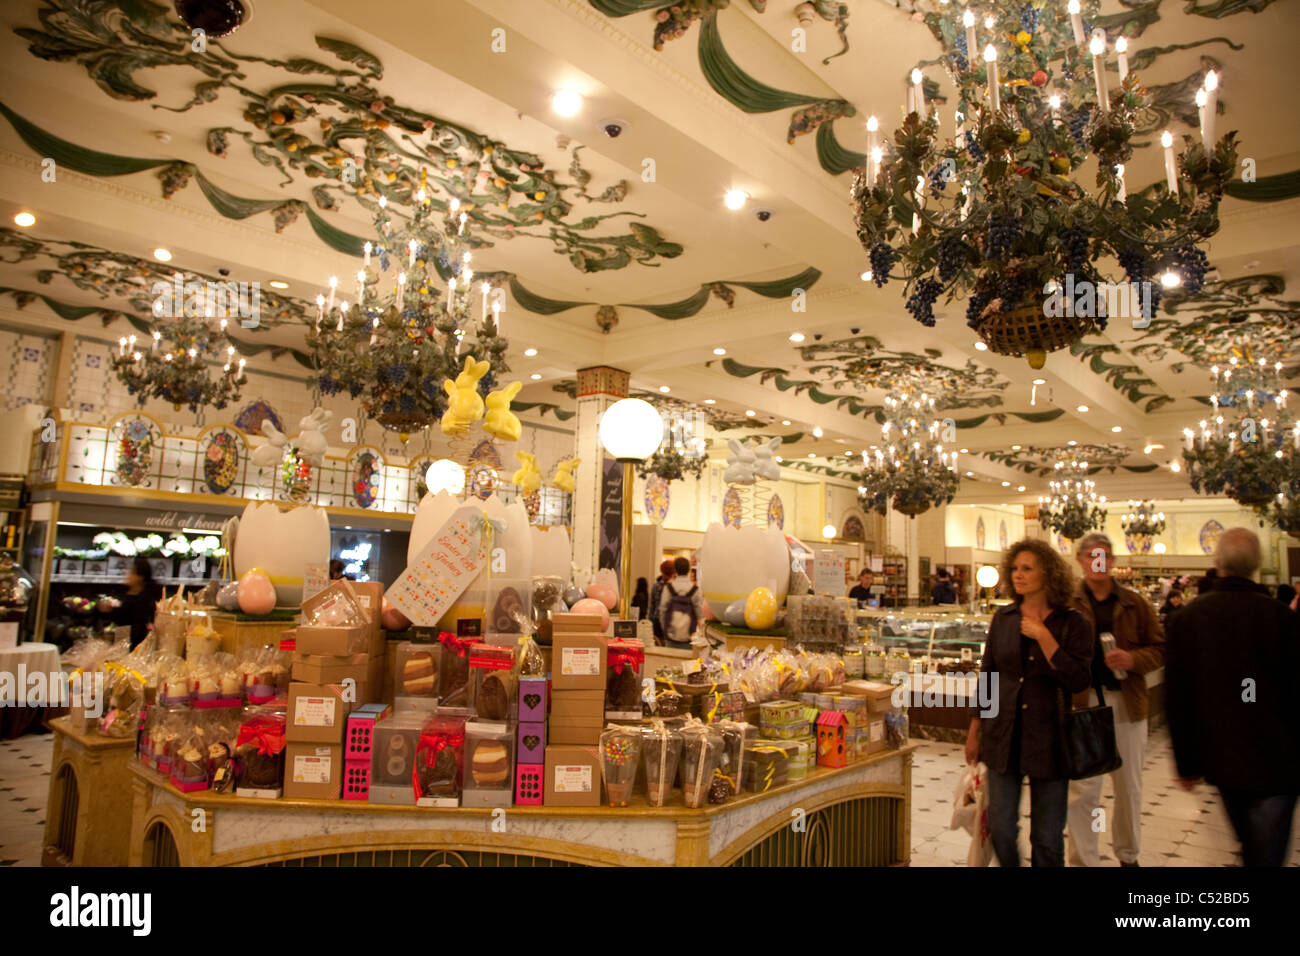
x,y
1127,620
656,593
1233,655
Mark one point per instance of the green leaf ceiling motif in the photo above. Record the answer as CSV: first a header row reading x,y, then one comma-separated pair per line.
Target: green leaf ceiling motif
x,y
331,132
1041,461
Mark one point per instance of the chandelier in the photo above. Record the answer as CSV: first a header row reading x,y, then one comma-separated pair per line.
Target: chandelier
x,y
912,471
177,366
998,215
1074,507
412,327
682,451
1249,447
1142,522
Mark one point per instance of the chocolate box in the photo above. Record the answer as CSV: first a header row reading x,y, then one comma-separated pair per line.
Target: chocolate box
x,y
575,730
534,699
532,744
578,660
489,765
572,776
330,669
318,713
392,756
333,641
577,703
313,771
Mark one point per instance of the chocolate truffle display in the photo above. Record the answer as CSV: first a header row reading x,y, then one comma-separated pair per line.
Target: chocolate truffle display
x,y
620,757
661,749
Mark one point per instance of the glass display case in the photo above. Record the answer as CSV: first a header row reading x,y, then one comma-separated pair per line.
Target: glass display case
x,y
949,640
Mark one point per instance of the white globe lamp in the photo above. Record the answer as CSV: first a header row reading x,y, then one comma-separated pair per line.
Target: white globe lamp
x,y
630,430
445,475
987,576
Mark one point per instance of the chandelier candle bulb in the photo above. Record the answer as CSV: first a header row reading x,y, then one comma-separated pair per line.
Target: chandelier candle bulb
x,y
1076,21
877,155
1171,173
1098,47
991,58
968,21
334,284
918,84
1123,191
410,257
484,287
365,258
1054,104
1121,53
1201,99
496,316
401,288
873,131
1211,105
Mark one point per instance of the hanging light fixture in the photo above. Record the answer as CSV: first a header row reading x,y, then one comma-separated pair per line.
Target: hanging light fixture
x,y
412,325
911,471
1249,447
177,364
1074,507
683,451
1142,523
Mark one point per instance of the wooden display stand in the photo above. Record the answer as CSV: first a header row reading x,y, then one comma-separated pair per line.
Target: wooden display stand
x,y
238,636
88,811
858,815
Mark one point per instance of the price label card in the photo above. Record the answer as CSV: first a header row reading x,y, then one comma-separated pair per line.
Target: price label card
x,y
441,572
315,579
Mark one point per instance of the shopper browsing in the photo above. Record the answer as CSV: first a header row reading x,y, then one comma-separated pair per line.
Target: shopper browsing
x,y
681,606
1129,642
656,593
943,592
1233,655
1038,649
141,601
641,598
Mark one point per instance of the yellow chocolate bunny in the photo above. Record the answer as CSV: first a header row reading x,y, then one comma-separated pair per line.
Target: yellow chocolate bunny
x,y
528,478
464,406
500,421
563,478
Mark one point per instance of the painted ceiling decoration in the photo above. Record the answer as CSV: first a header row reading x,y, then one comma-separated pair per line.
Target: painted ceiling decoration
x,y
356,133
1042,461
1124,377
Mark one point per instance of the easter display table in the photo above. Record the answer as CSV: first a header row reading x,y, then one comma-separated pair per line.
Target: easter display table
x,y
859,815
88,811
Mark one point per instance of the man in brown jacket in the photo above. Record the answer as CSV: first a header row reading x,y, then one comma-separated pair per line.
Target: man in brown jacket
x,y
1139,648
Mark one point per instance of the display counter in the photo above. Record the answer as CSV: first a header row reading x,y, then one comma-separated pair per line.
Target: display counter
x,y
88,811
859,815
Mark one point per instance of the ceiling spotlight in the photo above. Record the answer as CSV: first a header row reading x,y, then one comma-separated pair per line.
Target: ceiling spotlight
x,y
866,276
710,401
1116,429
750,413
970,474
536,376
162,255
796,336
665,389
965,451
1148,449
719,351
1040,381
25,219
1072,443
1171,279
1020,487
1082,408
278,284
817,432
735,199
812,454
981,347
1175,467
566,102
530,352
1015,448
1006,484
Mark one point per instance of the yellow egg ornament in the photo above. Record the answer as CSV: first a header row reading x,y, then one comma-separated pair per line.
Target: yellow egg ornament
x,y
760,610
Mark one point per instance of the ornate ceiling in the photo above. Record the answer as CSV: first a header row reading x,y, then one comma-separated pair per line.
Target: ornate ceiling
x,y
265,153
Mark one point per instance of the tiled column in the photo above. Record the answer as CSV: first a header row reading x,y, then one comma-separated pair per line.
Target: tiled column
x,y
598,388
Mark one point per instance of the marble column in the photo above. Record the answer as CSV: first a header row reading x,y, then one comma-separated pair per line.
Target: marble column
x,y
598,388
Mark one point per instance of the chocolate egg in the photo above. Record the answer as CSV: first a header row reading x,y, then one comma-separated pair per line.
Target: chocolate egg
x,y
228,596
603,593
573,595
256,593
592,606
392,619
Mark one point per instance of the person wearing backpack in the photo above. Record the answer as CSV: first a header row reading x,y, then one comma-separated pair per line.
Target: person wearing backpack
x,y
656,598
681,606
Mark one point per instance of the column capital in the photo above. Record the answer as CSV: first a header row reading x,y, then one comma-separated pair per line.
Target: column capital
x,y
603,380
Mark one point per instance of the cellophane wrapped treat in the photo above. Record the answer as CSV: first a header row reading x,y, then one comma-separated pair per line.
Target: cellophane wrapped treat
x,y
269,676
701,756
171,724
661,750
174,686
337,606
509,606
620,756
625,663
205,680
125,701
529,661
546,598
190,759
736,735
260,749
439,759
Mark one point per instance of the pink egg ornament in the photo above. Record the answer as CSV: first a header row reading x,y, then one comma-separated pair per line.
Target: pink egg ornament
x,y
603,593
392,619
592,606
256,593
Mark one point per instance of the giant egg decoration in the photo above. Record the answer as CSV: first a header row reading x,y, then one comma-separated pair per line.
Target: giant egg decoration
x,y
734,561
430,515
256,593
283,544
552,553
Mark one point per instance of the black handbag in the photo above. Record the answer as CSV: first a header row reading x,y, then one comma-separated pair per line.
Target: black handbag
x,y
1089,737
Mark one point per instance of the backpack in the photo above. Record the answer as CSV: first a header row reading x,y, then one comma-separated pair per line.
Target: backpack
x,y
656,595
681,616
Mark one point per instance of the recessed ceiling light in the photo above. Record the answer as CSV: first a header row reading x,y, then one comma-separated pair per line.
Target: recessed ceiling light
x,y
785,421
796,336
1020,487
965,451
566,102
750,412
866,276
1040,381
530,352
1081,408
1175,467
817,432
665,389
735,199
25,219
811,455
710,401
536,376
1015,448
1072,443
1116,428
981,347
719,351
970,474
1006,484
162,255
278,284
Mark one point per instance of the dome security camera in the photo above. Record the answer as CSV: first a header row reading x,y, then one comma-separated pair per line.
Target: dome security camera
x,y
613,128
763,215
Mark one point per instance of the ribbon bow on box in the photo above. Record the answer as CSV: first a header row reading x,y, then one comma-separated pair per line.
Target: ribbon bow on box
x,y
267,732
433,742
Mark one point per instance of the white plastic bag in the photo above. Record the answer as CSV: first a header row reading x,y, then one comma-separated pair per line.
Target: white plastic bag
x,y
970,813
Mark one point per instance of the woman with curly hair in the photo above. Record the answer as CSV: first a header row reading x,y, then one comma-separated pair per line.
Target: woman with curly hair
x,y
1037,656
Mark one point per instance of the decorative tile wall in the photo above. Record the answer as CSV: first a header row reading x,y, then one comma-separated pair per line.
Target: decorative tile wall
x,y
30,362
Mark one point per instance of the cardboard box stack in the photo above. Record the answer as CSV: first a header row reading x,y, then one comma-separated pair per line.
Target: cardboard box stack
x,y
340,639
578,677
313,757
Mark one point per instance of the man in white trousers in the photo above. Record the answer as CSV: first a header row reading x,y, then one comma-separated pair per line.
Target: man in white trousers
x,y
1139,647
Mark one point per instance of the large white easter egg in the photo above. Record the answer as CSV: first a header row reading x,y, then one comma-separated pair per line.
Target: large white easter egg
x,y
282,543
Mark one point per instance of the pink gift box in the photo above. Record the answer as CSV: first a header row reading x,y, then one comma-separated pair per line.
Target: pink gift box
x,y
356,779
529,784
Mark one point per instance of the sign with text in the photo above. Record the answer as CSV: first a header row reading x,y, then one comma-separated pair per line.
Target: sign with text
x,y
441,572
828,573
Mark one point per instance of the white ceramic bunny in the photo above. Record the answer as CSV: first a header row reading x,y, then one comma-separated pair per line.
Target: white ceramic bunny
x,y
270,454
740,464
311,438
765,466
